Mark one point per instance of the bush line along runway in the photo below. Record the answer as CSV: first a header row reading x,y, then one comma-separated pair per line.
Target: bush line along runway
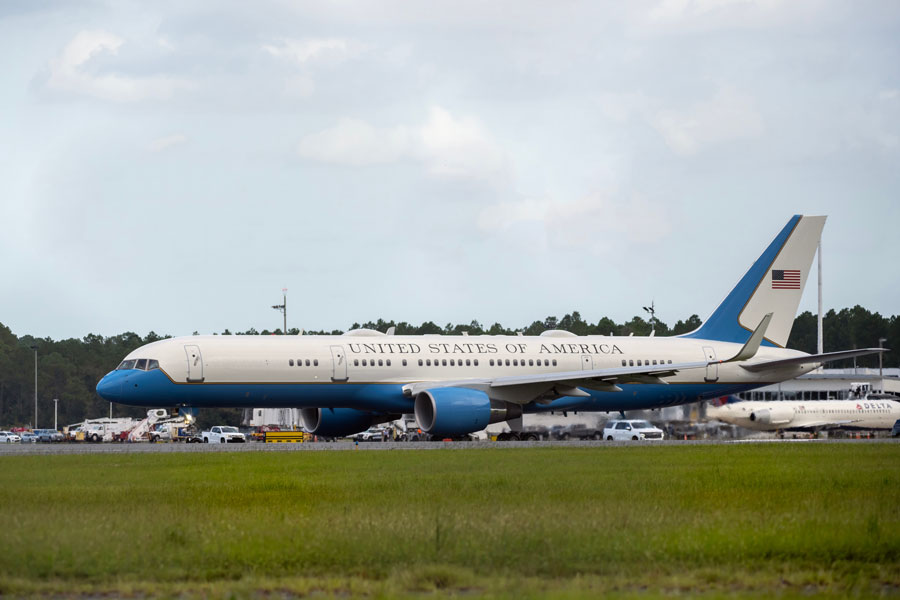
x,y
567,520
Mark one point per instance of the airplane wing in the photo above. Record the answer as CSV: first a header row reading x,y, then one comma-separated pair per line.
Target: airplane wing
x,y
811,358
525,388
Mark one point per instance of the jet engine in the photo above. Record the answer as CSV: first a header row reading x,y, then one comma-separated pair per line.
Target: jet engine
x,y
772,416
453,411
339,422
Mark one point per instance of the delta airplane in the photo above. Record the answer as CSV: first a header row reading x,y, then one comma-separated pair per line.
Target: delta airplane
x,y
459,384
875,411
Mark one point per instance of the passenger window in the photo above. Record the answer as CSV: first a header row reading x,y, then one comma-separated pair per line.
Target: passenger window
x,y
491,362
404,362
355,362
507,362
639,362
141,364
554,362
307,362
380,363
630,363
467,362
315,362
428,362
152,364
365,364
654,362
546,362
530,362
476,362
452,363
444,362
388,362
670,361
515,362
624,363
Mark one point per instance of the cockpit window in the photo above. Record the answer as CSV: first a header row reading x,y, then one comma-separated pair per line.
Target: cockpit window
x,y
152,364
126,364
141,364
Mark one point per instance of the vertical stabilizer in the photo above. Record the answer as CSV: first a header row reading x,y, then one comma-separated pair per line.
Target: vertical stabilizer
x,y
774,284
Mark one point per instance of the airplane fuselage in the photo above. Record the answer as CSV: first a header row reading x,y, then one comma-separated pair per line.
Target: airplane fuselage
x,y
863,413
367,372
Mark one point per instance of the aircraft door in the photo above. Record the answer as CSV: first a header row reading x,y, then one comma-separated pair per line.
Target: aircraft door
x,y
339,361
587,362
712,368
195,363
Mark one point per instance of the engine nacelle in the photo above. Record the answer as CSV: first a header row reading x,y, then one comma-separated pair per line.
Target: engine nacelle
x,y
772,416
457,411
338,422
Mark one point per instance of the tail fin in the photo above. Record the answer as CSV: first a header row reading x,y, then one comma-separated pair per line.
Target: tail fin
x,y
774,284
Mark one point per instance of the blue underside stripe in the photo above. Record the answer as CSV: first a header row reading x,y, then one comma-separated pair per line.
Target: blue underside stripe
x,y
153,388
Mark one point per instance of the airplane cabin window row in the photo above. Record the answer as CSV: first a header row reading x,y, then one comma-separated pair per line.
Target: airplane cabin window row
x,y
300,361
646,363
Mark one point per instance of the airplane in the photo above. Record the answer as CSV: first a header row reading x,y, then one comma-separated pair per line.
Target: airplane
x,y
875,411
457,385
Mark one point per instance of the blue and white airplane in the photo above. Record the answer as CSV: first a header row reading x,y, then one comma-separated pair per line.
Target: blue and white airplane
x,y
460,384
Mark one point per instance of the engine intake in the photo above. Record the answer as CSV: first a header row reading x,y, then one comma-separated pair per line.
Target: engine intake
x,y
457,411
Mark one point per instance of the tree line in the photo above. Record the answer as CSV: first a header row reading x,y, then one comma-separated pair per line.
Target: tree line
x,y
70,369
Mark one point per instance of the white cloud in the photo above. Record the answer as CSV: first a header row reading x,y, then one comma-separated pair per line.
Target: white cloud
x,y
595,222
164,143
729,115
68,73
448,146
314,49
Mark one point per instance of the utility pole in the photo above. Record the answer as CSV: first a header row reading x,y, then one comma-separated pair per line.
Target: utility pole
x,y
283,308
33,427
881,342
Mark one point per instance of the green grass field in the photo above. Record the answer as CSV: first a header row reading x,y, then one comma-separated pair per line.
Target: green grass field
x,y
758,520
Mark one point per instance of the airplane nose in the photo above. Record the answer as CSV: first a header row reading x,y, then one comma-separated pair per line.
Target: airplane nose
x,y
110,388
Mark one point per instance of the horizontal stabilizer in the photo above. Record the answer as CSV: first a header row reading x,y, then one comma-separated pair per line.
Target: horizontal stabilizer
x,y
811,358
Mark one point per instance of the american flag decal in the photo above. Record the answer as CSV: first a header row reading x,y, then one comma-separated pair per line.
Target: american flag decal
x,y
788,279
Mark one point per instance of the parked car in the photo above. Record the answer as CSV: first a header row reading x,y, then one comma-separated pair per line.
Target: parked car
x,y
49,435
579,431
895,432
8,437
28,437
631,430
372,434
221,434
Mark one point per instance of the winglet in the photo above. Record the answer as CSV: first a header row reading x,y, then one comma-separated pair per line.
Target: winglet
x,y
752,346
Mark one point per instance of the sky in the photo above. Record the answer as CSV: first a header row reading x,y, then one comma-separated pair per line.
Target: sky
x,y
170,166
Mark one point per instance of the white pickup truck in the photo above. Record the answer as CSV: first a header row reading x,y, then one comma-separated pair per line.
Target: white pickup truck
x,y
221,434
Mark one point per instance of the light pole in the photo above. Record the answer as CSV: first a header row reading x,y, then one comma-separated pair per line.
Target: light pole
x,y
55,407
881,342
652,310
283,308
33,427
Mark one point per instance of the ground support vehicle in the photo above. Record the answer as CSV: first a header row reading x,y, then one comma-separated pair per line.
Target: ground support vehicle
x,y
631,430
280,437
222,434
104,430
372,434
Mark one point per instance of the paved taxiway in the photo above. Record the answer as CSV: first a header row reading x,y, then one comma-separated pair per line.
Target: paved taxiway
x,y
39,449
